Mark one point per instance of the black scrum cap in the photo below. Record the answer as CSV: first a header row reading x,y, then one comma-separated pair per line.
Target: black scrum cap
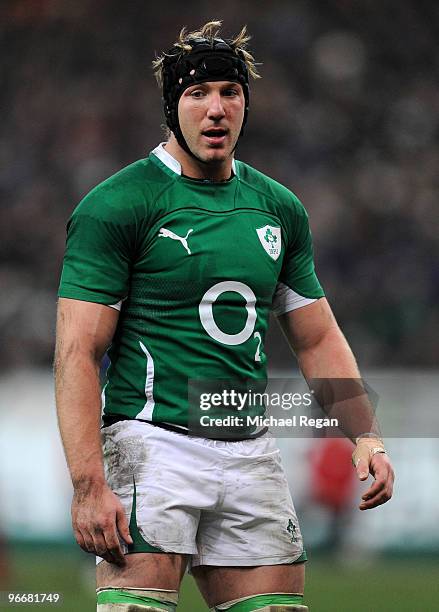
x,y
208,60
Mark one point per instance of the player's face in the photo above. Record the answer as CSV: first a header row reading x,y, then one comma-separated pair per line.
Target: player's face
x,y
210,116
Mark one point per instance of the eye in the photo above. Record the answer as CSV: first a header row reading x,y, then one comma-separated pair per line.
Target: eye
x,y
231,92
197,93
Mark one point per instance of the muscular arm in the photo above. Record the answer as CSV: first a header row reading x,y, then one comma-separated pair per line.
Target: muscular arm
x,y
323,353
320,347
84,332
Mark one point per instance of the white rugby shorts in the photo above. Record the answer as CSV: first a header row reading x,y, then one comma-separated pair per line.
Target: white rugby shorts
x,y
223,503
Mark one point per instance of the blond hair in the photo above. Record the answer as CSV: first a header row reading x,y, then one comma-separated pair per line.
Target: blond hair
x,y
210,31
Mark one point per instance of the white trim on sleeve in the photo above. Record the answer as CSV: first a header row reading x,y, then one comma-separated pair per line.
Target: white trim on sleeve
x,y
117,306
285,300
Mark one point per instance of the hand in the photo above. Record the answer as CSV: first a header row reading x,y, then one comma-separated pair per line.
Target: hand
x,y
98,519
381,490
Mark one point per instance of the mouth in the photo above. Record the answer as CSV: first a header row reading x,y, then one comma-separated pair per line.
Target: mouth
x,y
215,136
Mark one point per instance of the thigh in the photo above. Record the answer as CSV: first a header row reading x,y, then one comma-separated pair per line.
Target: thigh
x,y
143,570
221,584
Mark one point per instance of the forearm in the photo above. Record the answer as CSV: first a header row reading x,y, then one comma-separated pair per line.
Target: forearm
x,y
330,368
78,402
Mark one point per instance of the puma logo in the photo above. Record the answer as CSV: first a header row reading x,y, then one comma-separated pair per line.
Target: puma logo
x,y
165,233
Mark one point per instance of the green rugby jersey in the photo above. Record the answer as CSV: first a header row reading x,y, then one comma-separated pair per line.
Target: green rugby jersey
x,y
195,268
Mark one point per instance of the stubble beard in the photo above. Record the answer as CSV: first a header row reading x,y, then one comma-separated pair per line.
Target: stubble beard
x,y
227,153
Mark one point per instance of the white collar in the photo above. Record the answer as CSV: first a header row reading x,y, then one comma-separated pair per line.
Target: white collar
x,y
169,161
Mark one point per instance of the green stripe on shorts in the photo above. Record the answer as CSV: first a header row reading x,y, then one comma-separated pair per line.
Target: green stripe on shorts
x,y
139,545
303,557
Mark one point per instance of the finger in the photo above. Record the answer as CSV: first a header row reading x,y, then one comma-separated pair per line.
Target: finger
x,y
110,558
377,500
122,526
113,541
88,543
105,540
114,547
82,527
83,537
380,498
80,539
384,476
100,544
374,489
368,502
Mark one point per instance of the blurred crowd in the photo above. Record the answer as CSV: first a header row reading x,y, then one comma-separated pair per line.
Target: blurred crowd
x,y
346,115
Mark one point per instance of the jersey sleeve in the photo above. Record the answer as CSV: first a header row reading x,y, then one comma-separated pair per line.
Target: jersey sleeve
x,y
298,284
98,254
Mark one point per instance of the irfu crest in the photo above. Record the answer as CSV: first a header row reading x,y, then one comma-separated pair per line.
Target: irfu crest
x,y
270,238
291,528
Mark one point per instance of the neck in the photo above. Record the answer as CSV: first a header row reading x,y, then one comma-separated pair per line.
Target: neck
x,y
193,168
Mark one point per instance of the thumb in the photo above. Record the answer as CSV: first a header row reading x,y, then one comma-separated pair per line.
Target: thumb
x,y
361,459
362,468
122,526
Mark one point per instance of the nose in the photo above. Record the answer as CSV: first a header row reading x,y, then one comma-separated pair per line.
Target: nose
x,y
215,109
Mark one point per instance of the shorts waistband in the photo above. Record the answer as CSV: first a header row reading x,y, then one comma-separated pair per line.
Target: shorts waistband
x,y
111,419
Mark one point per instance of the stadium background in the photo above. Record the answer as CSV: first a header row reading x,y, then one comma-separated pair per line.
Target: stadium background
x,y
346,115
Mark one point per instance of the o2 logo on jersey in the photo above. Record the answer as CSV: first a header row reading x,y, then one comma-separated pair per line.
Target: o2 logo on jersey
x,y
205,310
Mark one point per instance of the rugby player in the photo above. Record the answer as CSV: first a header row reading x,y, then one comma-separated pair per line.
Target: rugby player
x,y
173,264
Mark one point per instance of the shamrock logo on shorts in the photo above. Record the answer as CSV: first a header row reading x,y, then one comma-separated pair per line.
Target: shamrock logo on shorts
x,y
291,528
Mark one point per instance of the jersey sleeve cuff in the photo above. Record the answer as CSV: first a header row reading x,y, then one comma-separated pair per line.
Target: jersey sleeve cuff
x,y
286,299
90,296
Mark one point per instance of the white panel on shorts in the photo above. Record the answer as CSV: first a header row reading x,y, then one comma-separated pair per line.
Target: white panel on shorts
x,y
285,300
